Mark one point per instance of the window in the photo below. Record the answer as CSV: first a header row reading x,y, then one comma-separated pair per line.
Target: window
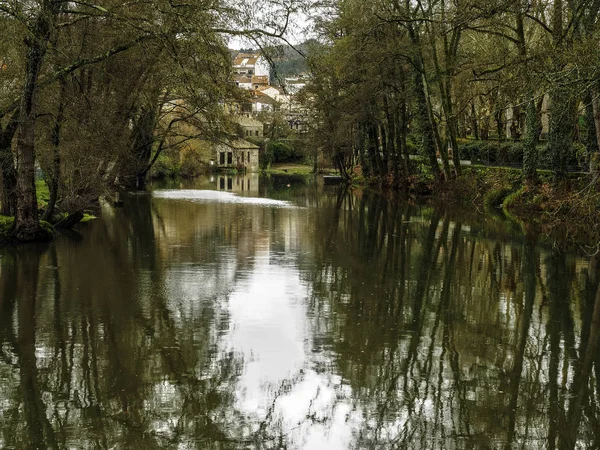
x,y
257,132
222,183
248,161
229,157
222,158
229,183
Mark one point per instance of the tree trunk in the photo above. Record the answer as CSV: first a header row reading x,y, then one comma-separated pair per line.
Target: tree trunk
x,y
562,106
54,177
595,157
530,155
596,109
8,199
401,133
442,147
425,126
27,225
143,138
422,116
391,148
474,120
560,137
500,125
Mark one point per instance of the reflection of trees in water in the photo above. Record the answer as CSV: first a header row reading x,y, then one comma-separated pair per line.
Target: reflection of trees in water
x,y
443,338
113,365
450,340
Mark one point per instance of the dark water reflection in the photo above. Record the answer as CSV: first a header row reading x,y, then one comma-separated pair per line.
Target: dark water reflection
x,y
315,320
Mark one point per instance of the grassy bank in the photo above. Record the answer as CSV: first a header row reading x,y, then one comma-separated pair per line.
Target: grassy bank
x,y
566,212
569,210
296,169
48,230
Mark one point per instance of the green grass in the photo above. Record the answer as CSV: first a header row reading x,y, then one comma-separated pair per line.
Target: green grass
x,y
42,192
290,169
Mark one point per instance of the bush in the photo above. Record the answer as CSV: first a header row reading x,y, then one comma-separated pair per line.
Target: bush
x,y
283,152
495,197
412,144
5,227
511,154
165,167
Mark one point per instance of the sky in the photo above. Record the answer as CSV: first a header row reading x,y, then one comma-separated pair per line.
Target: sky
x,y
298,31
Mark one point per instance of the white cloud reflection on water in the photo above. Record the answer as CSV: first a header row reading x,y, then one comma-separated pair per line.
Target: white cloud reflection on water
x,y
271,330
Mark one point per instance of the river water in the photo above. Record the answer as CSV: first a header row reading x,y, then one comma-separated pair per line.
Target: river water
x,y
240,313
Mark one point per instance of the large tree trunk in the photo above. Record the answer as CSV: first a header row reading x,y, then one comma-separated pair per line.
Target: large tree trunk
x,y
425,126
532,132
422,115
562,104
560,137
27,225
8,173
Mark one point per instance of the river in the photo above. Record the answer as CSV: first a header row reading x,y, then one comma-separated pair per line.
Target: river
x,y
242,313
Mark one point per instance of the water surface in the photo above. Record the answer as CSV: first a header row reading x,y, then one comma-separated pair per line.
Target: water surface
x,y
236,313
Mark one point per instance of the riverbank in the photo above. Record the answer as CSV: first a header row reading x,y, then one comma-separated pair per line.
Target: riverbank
x,y
48,229
297,169
567,211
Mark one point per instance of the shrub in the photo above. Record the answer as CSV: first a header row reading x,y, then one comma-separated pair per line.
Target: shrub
x,y
495,197
284,152
165,166
511,154
5,226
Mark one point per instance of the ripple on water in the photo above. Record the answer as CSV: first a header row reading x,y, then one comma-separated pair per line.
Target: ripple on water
x,y
206,196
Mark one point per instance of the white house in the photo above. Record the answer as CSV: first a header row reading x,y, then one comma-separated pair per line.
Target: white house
x,y
263,102
252,64
277,94
243,81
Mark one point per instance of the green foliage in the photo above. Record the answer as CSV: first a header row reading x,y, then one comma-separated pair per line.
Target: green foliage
x,y
265,157
42,192
511,154
279,152
47,229
5,227
495,197
87,217
282,152
166,167
46,234
412,144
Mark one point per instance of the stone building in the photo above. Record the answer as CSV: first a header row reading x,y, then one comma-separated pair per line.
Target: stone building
x,y
237,154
